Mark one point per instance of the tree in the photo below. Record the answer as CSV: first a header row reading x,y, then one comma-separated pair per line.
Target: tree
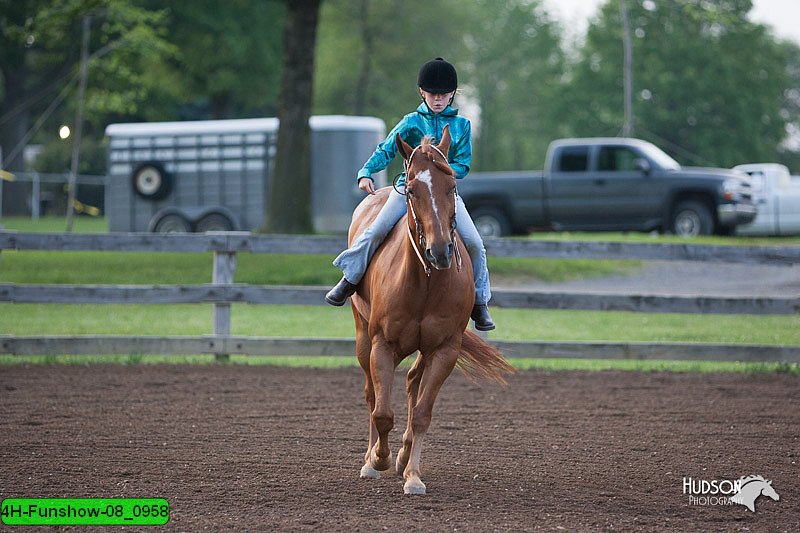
x,y
709,83
516,71
368,59
229,59
289,194
40,52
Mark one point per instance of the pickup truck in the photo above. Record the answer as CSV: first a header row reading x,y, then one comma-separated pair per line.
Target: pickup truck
x,y
777,195
609,184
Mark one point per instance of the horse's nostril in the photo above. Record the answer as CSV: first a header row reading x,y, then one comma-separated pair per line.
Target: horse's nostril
x,y
429,255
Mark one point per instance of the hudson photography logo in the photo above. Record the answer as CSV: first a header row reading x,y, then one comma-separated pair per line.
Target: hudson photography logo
x,y
742,491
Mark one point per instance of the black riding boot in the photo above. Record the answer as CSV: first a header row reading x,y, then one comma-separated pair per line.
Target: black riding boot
x,y
340,293
480,314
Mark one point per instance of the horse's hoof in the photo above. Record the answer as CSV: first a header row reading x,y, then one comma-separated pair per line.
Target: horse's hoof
x,y
417,487
367,472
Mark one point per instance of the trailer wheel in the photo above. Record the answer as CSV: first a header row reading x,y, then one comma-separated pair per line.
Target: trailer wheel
x,y
692,218
214,222
172,224
491,222
151,181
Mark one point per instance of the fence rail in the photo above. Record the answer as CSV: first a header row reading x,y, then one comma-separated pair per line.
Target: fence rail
x,y
313,295
233,242
223,292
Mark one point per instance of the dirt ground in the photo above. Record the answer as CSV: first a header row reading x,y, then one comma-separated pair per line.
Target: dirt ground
x,y
267,448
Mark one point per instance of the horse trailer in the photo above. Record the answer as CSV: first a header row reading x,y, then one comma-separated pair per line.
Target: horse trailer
x,y
214,175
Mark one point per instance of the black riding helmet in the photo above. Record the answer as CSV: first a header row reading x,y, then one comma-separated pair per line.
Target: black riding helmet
x,y
437,76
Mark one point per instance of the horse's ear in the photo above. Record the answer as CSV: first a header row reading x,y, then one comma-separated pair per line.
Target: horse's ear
x,y
444,145
403,147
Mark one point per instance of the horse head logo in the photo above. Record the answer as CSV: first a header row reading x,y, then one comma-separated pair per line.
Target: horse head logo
x,y
751,488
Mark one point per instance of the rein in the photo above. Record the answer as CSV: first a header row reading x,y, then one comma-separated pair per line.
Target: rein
x,y
420,234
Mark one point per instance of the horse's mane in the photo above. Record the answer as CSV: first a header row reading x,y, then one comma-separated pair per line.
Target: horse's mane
x,y
745,480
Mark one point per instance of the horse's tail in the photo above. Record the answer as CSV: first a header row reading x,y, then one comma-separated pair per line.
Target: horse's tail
x,y
478,359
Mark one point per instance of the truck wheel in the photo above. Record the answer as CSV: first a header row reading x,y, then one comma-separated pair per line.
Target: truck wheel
x,y
691,218
214,222
173,224
151,181
491,222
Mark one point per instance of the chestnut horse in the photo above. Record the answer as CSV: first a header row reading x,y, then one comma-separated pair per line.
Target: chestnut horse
x,y
411,299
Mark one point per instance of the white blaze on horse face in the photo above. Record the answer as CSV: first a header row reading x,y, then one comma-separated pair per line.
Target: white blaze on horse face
x,y
426,178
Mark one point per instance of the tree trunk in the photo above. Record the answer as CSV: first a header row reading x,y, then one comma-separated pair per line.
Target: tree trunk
x,y
359,105
289,188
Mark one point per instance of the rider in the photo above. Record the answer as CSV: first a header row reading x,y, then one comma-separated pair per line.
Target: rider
x,y
437,83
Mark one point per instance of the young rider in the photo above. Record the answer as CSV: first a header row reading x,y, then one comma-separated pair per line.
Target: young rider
x,y
437,83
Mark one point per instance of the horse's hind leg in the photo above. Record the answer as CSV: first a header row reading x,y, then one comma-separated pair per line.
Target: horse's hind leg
x,y
363,348
412,390
438,366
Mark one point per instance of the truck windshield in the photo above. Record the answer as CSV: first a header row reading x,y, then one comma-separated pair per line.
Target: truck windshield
x,y
657,156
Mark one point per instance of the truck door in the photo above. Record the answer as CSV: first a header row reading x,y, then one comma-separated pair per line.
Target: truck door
x,y
571,200
630,196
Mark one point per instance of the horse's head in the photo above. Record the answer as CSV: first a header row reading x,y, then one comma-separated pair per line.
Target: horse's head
x,y
431,197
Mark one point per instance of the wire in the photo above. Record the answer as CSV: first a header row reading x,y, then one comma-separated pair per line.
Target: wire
x,y
40,121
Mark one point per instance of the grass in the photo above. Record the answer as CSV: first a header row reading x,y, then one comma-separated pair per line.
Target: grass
x,y
515,324
328,362
323,321
80,224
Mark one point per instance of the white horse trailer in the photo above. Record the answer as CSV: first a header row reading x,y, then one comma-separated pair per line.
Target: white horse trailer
x,y
214,174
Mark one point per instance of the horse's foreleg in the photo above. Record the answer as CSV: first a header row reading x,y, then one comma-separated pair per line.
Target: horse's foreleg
x,y
382,371
412,390
437,368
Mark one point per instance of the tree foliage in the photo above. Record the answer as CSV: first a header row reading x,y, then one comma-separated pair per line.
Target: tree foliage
x,y
709,83
39,60
515,67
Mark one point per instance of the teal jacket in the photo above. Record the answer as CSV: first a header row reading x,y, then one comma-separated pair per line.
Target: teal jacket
x,y
413,127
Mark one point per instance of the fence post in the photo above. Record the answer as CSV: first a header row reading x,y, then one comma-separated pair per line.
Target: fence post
x,y
224,269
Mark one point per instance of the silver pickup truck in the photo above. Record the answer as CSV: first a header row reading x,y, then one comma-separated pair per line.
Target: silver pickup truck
x,y
609,184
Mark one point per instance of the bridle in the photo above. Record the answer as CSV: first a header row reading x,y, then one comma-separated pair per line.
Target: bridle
x,y
420,241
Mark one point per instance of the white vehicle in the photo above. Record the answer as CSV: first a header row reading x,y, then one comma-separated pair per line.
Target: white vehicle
x,y
777,197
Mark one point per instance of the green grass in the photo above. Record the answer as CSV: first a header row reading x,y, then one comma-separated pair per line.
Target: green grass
x,y
327,362
80,224
323,321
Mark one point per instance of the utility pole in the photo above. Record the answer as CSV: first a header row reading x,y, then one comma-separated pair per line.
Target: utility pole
x,y
76,146
627,71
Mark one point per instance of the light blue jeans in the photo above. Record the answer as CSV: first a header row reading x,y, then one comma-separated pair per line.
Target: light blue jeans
x,y
353,262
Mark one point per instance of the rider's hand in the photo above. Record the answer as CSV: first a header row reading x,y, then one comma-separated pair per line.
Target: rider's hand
x,y
367,185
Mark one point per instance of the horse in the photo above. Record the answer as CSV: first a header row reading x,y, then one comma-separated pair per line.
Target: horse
x,y
412,300
751,488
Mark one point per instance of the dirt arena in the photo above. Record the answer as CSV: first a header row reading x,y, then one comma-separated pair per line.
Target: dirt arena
x,y
266,448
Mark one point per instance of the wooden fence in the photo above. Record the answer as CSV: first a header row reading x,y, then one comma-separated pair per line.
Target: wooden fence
x,y
222,292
